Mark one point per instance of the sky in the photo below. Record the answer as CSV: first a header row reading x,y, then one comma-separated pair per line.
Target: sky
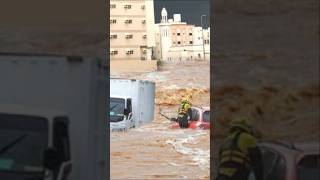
x,y
190,10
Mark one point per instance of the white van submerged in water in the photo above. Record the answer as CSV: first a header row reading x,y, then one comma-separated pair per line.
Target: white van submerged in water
x,y
52,118
131,103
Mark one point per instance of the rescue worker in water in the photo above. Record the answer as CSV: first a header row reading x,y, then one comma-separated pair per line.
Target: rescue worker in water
x,y
184,111
239,153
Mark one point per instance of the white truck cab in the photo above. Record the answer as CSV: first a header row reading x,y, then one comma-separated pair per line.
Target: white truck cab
x,y
131,103
27,137
53,117
121,112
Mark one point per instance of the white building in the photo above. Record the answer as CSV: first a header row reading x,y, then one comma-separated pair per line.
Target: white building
x,y
176,40
131,29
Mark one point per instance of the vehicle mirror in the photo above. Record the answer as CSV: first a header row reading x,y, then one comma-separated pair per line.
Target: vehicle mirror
x,y
51,159
126,112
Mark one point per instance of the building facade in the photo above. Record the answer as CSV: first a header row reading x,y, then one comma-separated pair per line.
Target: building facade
x,y
176,40
131,30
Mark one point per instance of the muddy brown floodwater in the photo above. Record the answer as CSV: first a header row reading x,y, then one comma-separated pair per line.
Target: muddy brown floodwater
x,y
156,151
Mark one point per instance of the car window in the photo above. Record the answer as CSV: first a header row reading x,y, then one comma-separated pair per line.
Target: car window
x,y
279,169
274,167
309,168
269,159
206,116
194,115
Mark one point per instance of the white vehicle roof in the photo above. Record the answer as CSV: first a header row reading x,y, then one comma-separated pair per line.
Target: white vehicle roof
x,y
119,96
30,111
202,108
138,80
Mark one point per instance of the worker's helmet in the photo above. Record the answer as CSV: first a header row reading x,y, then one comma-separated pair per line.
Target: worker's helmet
x,y
242,123
185,100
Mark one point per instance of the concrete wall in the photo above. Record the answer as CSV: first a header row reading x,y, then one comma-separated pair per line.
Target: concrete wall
x,y
122,66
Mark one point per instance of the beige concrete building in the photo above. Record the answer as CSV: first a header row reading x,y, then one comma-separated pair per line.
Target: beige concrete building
x,y
176,40
131,33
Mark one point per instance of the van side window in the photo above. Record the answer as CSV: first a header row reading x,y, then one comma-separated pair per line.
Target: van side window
x,y
61,137
129,105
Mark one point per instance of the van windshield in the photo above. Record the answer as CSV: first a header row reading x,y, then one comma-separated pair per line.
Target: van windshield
x,y
117,106
23,140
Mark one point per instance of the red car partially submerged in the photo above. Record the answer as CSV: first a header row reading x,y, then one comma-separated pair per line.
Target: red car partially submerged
x,y
198,119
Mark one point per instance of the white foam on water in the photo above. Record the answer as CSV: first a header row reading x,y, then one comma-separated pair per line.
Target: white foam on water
x,y
199,156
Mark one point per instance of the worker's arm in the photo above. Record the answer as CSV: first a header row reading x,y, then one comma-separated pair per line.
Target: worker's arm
x,y
257,164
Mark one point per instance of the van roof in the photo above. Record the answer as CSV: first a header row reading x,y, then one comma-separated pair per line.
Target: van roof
x,y
31,111
119,96
145,81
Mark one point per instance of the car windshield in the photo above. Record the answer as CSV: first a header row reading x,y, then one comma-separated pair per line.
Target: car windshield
x,y
206,116
309,168
23,140
117,106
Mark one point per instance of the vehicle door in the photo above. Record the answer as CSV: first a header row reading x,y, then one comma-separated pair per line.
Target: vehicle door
x,y
61,142
129,111
193,118
194,114
206,120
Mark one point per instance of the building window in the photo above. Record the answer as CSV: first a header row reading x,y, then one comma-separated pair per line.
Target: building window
x,y
113,21
178,34
190,42
208,42
190,34
128,21
143,21
129,36
144,51
113,36
113,52
144,36
112,6
127,6
129,52
179,42
143,6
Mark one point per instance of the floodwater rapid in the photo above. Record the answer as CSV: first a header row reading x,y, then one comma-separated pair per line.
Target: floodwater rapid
x,y
155,150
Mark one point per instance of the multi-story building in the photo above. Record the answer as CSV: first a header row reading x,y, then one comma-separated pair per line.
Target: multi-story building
x,y
131,30
176,40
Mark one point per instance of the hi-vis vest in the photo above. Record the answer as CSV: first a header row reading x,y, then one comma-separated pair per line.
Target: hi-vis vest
x,y
184,108
235,151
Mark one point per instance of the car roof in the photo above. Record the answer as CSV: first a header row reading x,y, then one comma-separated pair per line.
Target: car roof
x,y
201,108
287,147
308,147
